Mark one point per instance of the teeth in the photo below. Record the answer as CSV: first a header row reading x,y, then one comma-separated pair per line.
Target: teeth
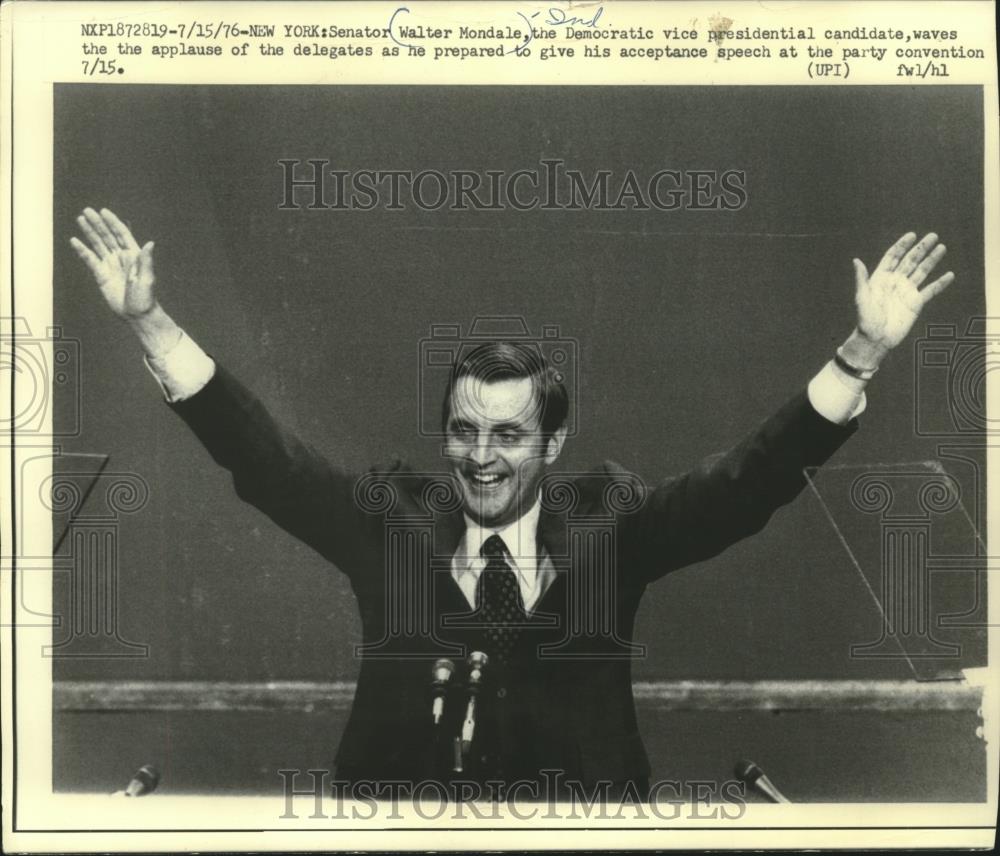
x,y
481,479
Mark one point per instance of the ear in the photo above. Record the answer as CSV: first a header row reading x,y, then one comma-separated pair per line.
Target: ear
x,y
555,444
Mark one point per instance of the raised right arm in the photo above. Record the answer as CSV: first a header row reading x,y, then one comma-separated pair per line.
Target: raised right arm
x,y
123,272
272,469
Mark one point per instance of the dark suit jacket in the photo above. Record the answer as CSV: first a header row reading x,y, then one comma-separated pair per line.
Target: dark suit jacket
x,y
566,702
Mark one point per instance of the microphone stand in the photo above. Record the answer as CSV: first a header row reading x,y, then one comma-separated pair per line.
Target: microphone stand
x,y
477,663
441,675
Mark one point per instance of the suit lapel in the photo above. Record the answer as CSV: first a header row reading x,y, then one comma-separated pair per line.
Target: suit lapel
x,y
552,541
551,538
448,532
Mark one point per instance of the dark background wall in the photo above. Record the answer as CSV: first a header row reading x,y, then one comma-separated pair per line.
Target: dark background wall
x,y
691,325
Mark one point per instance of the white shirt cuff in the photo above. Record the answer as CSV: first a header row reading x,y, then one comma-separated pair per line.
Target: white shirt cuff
x,y
833,399
183,370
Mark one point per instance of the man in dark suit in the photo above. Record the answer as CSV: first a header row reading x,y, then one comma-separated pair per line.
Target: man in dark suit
x,y
541,573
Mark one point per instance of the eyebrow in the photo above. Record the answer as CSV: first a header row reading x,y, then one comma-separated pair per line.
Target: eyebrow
x,y
510,426
457,423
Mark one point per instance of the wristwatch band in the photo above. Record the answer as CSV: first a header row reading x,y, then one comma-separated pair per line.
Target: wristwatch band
x,y
851,369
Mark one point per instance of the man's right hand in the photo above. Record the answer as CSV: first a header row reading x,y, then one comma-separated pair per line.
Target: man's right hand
x,y
124,273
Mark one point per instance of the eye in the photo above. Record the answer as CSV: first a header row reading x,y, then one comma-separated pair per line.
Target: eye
x,y
462,432
509,438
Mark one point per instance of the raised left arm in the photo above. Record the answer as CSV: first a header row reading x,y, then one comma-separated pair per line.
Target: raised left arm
x,y
728,497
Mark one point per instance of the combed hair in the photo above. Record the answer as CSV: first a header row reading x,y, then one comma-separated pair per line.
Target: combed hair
x,y
495,361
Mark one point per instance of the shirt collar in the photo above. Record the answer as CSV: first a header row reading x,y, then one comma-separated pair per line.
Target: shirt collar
x,y
520,537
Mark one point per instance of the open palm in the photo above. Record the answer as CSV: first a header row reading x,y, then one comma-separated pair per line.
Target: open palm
x,y
121,268
891,298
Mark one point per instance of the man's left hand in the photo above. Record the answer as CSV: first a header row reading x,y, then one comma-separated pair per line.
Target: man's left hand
x,y
890,299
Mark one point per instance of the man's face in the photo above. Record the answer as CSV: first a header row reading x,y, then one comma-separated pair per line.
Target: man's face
x,y
496,448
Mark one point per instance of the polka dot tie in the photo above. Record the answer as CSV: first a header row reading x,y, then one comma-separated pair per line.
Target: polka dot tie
x,y
499,601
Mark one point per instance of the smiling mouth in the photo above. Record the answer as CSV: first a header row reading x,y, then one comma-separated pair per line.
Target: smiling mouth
x,y
486,480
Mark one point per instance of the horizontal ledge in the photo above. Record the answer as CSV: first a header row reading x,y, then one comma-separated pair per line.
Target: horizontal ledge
x,y
307,696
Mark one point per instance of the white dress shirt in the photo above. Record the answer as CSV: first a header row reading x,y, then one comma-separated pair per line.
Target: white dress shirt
x,y
534,573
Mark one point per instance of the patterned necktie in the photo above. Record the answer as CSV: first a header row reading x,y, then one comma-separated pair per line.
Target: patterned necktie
x,y
499,601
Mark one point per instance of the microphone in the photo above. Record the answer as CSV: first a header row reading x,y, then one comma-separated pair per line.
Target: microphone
x,y
477,662
751,774
440,677
145,780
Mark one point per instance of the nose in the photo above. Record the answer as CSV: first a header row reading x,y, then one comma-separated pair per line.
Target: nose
x,y
482,452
